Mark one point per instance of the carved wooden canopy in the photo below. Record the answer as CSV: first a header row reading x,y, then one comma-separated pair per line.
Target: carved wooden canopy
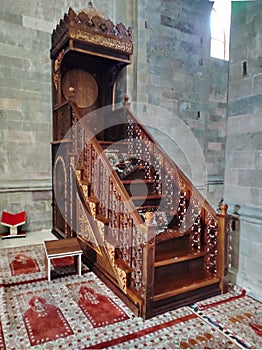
x,y
90,27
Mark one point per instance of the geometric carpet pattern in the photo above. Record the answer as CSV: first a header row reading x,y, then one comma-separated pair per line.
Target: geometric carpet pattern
x,y
80,312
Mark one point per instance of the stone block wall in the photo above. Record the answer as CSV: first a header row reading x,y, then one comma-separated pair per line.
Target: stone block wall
x,y
36,203
25,102
215,128
25,113
243,168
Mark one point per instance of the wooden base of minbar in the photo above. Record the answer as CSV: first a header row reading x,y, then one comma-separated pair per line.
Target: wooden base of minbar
x,y
62,248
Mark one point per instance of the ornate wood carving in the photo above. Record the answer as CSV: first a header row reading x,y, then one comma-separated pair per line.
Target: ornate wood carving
x,y
91,27
211,244
137,260
85,231
63,122
56,71
195,235
61,174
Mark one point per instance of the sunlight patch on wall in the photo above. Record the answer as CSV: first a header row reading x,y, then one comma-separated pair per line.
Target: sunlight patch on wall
x,y
220,20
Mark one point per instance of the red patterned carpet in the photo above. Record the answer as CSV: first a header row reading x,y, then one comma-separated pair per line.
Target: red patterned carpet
x,y
73,312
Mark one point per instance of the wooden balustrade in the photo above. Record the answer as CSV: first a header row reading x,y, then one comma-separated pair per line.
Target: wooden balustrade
x,y
193,211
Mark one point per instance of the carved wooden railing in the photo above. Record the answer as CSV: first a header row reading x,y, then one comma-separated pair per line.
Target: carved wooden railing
x,y
134,239
193,211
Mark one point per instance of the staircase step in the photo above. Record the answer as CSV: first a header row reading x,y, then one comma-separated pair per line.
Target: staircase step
x,y
102,219
137,181
145,208
93,199
122,264
111,145
148,200
105,142
149,196
181,284
139,186
171,258
170,234
134,172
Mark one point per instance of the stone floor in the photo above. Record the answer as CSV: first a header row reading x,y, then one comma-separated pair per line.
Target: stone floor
x,y
31,238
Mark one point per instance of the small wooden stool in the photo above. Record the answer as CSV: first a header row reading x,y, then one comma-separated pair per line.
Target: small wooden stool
x,y
62,248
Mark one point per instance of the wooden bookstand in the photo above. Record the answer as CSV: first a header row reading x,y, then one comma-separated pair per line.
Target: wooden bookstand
x,y
13,221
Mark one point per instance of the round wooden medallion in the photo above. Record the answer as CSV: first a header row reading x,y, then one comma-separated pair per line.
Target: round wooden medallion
x,y
85,87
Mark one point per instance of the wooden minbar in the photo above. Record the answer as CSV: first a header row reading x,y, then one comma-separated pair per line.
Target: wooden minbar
x,y
142,225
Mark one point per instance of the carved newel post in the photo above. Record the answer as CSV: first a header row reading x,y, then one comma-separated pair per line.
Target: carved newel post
x,y
223,246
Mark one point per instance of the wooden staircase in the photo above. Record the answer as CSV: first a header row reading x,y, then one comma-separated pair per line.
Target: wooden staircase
x,y
144,228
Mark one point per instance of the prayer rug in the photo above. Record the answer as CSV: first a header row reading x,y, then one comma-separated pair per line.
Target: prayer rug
x,y
37,314
236,315
186,332
22,264
45,312
27,264
43,320
98,308
62,322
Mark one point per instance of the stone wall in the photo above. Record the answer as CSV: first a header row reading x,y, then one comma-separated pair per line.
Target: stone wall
x,y
215,128
243,173
25,102
174,71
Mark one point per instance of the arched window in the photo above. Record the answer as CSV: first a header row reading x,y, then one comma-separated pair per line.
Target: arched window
x,y
220,29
